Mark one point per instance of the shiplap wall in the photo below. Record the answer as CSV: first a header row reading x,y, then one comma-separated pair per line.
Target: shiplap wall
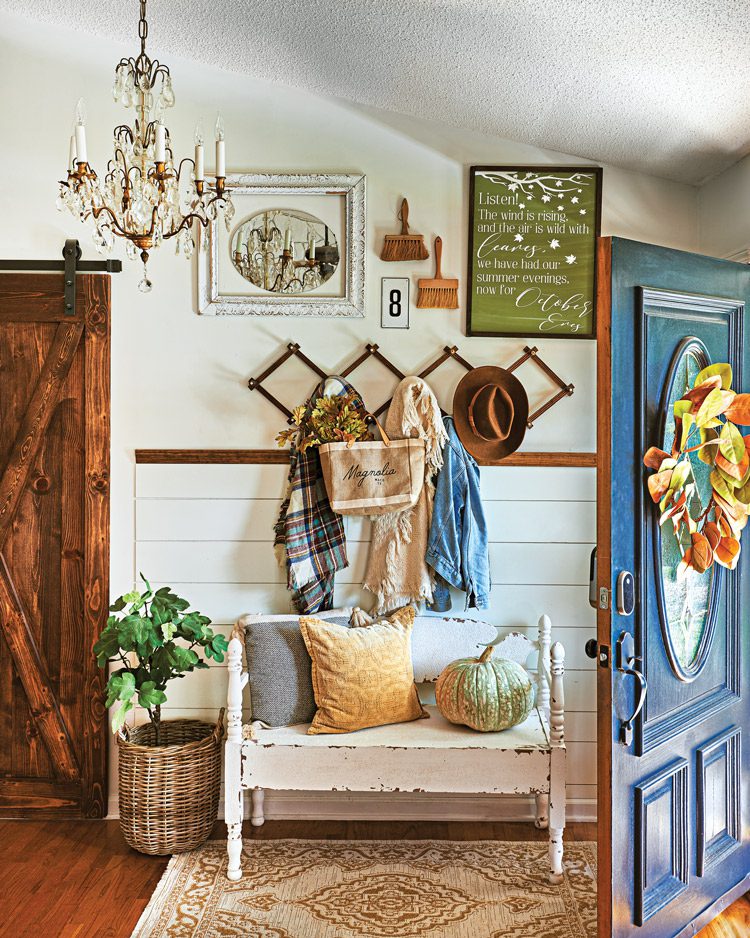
x,y
207,531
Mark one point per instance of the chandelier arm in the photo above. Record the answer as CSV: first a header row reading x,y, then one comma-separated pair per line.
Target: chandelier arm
x,y
187,223
185,159
154,216
124,168
149,133
126,130
134,169
158,68
119,230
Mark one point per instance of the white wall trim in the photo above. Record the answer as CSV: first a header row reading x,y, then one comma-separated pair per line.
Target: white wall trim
x,y
404,806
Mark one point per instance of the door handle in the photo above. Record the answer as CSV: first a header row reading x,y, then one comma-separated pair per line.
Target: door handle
x,y
625,663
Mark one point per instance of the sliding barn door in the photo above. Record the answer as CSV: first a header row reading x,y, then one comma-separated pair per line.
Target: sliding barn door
x,y
54,544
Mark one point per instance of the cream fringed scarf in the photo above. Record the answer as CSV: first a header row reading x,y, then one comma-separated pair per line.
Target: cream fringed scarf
x,y
396,570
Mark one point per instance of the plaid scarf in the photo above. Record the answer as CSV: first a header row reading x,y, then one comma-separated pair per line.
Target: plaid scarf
x,y
309,535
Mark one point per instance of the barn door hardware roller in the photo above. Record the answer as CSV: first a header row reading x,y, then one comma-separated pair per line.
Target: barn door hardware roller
x,y
71,254
70,265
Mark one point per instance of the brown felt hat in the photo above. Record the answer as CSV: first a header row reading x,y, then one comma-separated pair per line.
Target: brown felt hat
x,y
490,411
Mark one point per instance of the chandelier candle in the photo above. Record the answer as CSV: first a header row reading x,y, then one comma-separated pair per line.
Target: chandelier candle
x,y
198,154
221,166
143,198
80,133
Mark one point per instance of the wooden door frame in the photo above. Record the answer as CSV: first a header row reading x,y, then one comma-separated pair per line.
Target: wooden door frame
x,y
603,556
80,789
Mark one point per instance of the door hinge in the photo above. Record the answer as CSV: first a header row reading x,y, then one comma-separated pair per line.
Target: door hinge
x,y
604,594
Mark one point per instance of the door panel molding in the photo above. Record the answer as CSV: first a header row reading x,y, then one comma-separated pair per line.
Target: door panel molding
x,y
662,797
686,675
727,748
652,303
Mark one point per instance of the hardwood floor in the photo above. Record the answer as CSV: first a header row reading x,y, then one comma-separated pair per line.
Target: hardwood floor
x,y
78,879
734,923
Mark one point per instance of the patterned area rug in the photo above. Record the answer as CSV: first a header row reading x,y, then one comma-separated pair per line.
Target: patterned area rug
x,y
375,889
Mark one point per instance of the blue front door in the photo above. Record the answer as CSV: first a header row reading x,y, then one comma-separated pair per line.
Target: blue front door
x,y
674,700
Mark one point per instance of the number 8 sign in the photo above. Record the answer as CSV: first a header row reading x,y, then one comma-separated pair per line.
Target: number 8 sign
x,y
394,312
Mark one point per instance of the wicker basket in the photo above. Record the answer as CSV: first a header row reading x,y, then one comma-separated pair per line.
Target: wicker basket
x,y
169,794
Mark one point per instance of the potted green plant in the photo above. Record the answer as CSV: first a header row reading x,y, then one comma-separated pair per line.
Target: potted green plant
x,y
169,770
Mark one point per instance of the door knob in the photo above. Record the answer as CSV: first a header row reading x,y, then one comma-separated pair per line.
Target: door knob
x,y
625,662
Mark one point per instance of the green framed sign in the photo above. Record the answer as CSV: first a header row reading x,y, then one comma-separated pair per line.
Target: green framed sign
x,y
532,251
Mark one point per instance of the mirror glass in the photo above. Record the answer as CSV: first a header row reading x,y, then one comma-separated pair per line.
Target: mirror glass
x,y
284,251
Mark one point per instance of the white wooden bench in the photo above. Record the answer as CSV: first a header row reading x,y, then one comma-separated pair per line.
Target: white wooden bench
x,y
425,755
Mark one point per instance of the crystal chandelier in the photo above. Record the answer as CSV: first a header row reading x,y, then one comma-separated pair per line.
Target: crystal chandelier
x,y
143,197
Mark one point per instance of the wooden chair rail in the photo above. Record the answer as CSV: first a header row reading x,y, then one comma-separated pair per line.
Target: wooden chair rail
x,y
281,457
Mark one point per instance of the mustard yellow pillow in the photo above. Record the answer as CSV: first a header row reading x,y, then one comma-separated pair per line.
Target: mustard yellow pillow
x,y
362,677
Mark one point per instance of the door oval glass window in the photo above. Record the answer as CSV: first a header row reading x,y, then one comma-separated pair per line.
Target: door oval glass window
x,y
687,602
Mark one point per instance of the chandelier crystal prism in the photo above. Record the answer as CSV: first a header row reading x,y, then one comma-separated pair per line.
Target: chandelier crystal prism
x,y
145,196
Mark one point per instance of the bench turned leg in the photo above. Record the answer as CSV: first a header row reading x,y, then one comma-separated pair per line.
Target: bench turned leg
x,y
234,805
234,851
542,812
257,796
556,855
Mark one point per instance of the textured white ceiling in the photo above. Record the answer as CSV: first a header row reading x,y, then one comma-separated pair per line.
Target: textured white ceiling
x,y
660,86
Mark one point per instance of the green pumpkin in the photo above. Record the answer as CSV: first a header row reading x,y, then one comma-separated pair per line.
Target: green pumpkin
x,y
485,694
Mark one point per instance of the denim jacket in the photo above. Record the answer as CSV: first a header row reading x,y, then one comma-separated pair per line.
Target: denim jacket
x,y
457,544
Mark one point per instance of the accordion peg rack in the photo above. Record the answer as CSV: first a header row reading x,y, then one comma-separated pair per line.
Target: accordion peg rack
x,y
372,350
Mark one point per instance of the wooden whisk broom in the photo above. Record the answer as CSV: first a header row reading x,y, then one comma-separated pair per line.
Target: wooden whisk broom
x,y
404,246
438,293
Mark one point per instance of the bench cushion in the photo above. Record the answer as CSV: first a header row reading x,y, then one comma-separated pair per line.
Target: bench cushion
x,y
278,667
426,755
434,733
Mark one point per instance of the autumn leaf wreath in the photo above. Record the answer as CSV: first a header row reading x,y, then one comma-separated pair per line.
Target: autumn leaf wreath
x,y
706,420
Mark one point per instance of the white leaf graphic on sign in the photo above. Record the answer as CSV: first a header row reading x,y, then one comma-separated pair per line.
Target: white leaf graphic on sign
x,y
571,258
554,243
518,237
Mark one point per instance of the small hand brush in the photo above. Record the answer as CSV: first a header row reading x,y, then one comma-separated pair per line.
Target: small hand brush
x,y
437,293
404,246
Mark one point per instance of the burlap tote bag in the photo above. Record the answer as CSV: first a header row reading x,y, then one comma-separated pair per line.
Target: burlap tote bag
x,y
373,477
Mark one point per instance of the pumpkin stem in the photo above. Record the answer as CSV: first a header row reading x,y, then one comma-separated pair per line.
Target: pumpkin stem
x,y
486,654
